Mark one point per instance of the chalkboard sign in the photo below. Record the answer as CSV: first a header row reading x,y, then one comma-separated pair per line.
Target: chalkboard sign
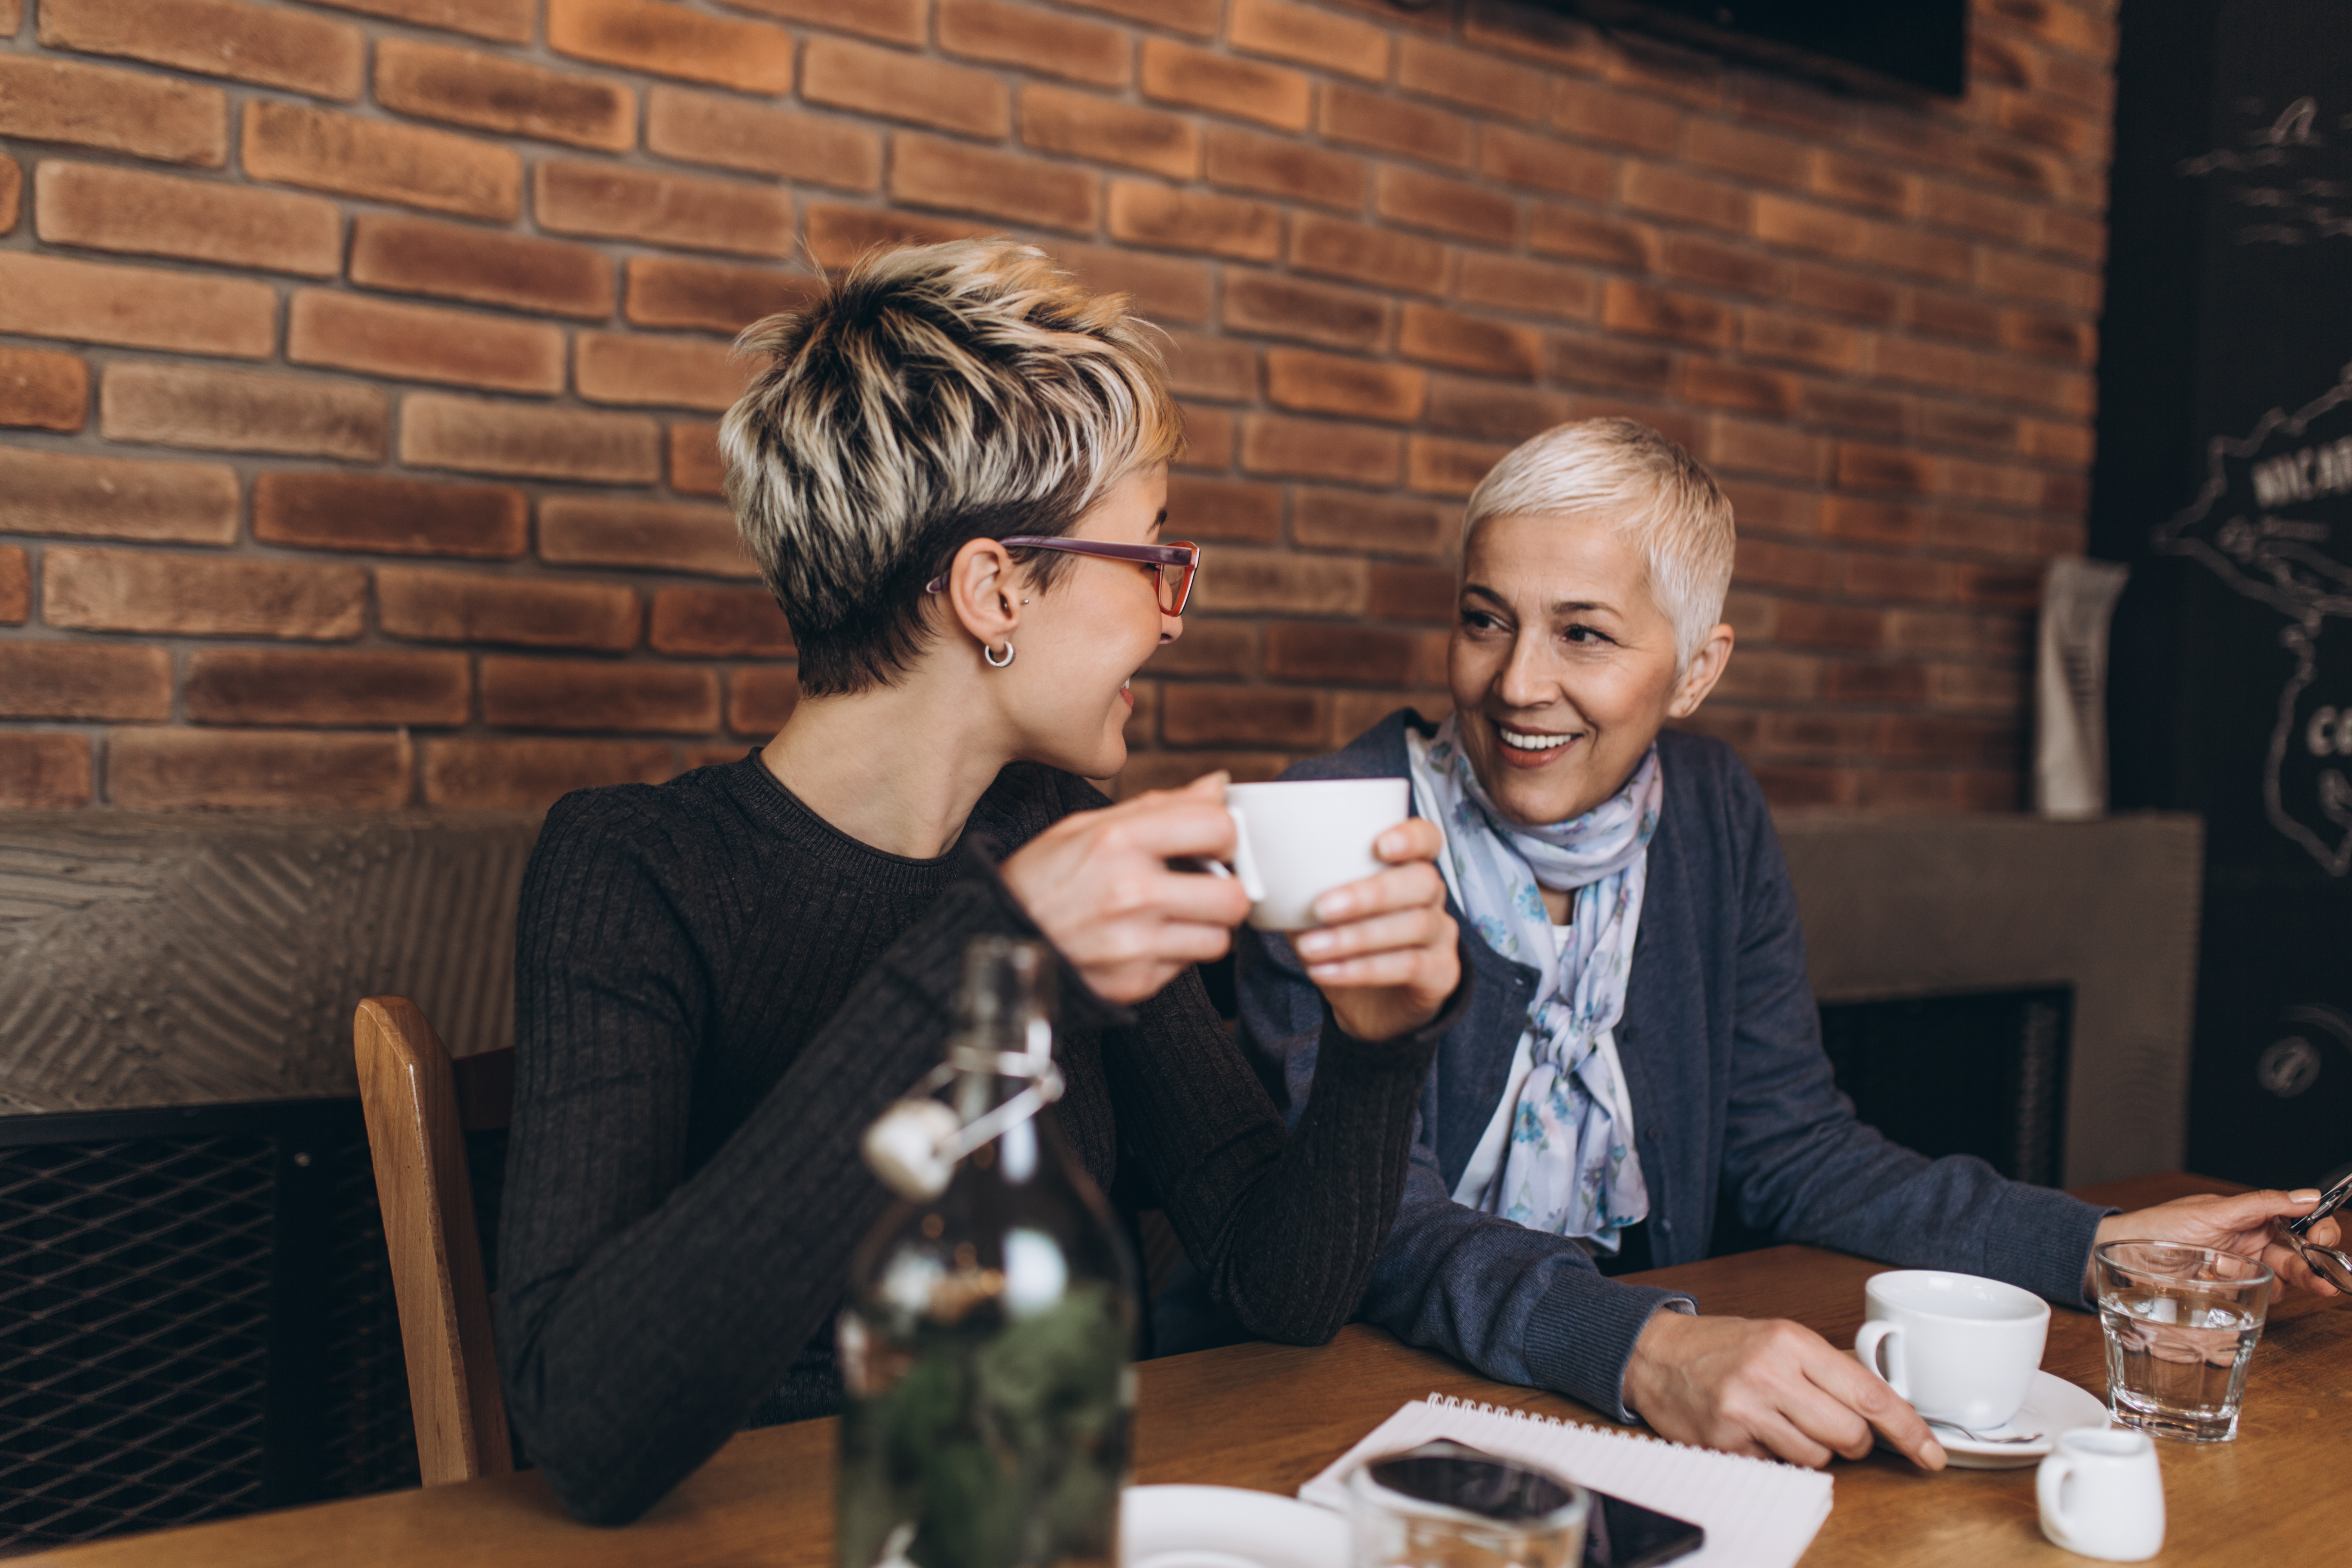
x,y
2225,480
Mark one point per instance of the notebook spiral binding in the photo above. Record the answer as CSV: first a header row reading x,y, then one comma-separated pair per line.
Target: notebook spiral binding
x,y
1535,1418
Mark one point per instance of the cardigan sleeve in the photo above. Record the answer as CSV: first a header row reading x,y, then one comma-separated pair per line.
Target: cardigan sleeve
x,y
1801,1166
1285,1228
1521,1306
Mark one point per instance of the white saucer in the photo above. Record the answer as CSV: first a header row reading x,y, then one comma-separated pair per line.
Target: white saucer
x,y
2052,1405
1226,1526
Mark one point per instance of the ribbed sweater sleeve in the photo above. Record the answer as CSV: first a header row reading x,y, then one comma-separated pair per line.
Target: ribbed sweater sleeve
x,y
644,1310
1286,1230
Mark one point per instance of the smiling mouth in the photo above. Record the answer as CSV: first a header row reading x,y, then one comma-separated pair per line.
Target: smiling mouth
x,y
1532,742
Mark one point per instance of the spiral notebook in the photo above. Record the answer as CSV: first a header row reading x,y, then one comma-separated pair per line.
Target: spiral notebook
x,y
1757,1513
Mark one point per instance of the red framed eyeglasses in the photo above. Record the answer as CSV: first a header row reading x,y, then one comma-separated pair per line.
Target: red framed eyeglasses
x,y
1174,566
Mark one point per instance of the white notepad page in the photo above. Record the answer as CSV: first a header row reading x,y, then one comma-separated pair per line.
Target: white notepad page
x,y
1757,1513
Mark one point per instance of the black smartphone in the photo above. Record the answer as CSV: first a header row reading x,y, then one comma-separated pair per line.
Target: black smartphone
x,y
1617,1533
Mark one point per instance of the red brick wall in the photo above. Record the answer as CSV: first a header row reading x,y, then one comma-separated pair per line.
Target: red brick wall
x,y
359,360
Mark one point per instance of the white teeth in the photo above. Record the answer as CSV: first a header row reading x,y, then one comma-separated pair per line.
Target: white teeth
x,y
1519,742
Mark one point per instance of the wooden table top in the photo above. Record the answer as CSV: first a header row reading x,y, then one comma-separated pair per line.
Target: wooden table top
x,y
1270,1416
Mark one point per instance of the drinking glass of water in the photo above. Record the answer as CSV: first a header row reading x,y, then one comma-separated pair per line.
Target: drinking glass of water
x,y
1443,1505
2181,1322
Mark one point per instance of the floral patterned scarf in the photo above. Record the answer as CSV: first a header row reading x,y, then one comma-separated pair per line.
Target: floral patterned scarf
x,y
1571,1167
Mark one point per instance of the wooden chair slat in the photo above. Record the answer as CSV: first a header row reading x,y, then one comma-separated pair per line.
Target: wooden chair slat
x,y
411,1095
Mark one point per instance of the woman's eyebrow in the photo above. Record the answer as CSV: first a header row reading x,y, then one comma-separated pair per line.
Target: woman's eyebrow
x,y
1557,607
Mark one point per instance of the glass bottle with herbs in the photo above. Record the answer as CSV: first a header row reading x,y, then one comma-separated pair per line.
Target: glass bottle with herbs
x,y
986,1340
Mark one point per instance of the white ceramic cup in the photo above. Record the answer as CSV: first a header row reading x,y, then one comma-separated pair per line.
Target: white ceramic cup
x,y
1299,838
2102,1494
1961,1349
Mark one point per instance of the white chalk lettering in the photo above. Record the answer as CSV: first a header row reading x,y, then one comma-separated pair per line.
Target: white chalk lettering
x,y
2329,733
2305,474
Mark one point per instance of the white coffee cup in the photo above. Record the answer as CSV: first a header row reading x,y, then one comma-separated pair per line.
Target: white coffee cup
x,y
1961,1349
2102,1494
1299,838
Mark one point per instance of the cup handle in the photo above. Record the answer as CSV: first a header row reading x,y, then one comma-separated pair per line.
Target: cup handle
x,y
1877,1332
1245,863
2048,1489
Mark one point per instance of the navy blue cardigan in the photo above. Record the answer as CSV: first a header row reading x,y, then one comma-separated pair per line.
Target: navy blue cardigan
x,y
1732,1098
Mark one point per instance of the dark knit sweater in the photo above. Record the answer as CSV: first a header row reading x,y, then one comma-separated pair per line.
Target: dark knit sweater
x,y
716,992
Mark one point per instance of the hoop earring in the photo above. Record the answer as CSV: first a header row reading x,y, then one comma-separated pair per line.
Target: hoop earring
x,y
989,654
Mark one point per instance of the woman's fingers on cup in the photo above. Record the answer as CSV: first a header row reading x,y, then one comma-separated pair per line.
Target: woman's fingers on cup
x,y
1192,942
1410,929
1212,786
1163,894
1166,827
1397,967
1131,959
1414,838
1413,884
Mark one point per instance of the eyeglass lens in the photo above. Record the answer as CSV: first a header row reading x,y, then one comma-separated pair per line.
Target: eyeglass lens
x,y
1175,581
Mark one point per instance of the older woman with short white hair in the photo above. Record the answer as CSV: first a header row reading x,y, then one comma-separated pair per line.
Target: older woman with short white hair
x,y
1642,1044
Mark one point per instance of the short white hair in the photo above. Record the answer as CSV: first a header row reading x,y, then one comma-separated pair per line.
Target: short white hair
x,y
1648,485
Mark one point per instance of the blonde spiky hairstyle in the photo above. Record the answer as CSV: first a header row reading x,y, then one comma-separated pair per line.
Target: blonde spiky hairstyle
x,y
1649,487
931,395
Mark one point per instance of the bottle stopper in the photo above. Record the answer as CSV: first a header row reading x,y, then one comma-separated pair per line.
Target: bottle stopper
x,y
908,1148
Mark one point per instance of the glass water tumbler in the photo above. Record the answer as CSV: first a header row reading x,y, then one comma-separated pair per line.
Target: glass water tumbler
x,y
2181,1323
987,1340
1445,1505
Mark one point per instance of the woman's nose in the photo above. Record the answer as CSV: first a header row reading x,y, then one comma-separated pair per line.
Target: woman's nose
x,y
1524,682
1171,628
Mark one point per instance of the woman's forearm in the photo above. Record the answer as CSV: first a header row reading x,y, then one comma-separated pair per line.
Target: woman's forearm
x,y
1286,1229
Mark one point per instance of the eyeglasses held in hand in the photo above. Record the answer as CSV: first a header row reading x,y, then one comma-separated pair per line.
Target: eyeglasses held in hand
x,y
1174,566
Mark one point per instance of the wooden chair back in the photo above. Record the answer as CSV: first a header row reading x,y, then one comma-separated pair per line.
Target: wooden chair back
x,y
419,1106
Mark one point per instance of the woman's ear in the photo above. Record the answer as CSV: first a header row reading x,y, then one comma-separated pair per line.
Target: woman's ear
x,y
983,591
1707,667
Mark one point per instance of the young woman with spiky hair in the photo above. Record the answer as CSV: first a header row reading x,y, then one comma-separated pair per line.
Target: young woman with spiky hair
x,y
952,473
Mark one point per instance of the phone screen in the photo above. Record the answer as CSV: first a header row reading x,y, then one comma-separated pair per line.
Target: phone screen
x,y
1621,1535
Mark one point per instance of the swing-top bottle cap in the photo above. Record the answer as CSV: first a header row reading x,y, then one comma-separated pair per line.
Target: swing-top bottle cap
x,y
1007,986
1004,1026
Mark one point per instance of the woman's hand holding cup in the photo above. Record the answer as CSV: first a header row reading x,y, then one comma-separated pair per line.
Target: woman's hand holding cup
x,y
1386,956
1099,886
